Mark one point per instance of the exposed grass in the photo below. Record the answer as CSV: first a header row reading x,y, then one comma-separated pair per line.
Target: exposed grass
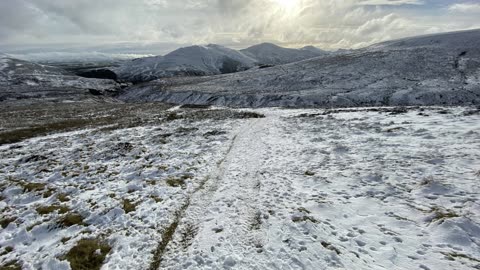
x,y
167,236
65,240
12,265
62,197
157,199
71,219
441,215
250,115
330,247
88,254
19,135
32,187
5,221
187,235
45,210
304,218
452,256
6,251
309,173
178,181
49,192
173,116
128,206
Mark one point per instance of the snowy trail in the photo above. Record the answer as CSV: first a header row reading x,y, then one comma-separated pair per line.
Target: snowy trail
x,y
234,187
349,191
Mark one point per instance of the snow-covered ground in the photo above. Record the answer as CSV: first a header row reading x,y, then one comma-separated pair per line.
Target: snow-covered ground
x,y
298,189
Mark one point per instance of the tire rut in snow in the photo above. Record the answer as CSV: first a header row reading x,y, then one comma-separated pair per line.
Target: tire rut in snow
x,y
169,233
227,205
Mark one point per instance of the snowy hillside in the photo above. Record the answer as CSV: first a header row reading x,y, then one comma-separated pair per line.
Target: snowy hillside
x,y
396,73
271,54
315,50
194,61
460,40
380,188
22,79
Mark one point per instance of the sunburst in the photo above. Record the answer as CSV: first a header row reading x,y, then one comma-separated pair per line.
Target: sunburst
x,y
286,4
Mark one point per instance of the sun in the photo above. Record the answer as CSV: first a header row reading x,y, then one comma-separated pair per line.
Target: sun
x,y
286,4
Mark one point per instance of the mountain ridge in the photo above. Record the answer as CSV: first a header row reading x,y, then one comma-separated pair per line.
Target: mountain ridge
x,y
375,76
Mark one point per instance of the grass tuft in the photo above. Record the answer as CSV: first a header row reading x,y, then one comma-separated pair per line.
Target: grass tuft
x,y
129,206
176,182
309,173
32,187
48,193
88,254
12,265
70,220
330,247
4,222
62,197
441,215
45,210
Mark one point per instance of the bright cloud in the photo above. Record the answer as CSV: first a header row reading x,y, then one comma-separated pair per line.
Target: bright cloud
x,y
325,23
465,7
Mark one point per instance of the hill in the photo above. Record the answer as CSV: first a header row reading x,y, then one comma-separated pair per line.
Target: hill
x,y
442,69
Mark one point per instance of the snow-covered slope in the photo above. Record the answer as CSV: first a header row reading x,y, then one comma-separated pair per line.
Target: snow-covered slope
x,y
314,49
271,54
454,41
353,189
195,60
23,79
385,74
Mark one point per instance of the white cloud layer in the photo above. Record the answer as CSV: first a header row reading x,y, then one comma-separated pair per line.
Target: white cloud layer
x,y
466,8
326,23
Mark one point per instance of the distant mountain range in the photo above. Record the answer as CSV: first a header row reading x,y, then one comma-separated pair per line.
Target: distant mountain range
x,y
442,69
271,54
211,60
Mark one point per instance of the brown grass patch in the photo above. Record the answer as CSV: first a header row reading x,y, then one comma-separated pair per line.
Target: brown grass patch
x,y
88,254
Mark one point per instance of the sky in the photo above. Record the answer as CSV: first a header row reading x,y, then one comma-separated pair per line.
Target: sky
x,y
328,24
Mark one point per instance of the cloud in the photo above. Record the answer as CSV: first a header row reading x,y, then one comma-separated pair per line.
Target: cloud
x,y
391,2
326,23
465,7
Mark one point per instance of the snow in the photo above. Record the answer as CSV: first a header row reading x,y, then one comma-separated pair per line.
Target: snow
x,y
3,63
413,74
377,188
22,79
98,170
453,41
271,54
195,60
211,60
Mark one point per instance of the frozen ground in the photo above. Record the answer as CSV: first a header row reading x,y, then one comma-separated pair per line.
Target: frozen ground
x,y
212,189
